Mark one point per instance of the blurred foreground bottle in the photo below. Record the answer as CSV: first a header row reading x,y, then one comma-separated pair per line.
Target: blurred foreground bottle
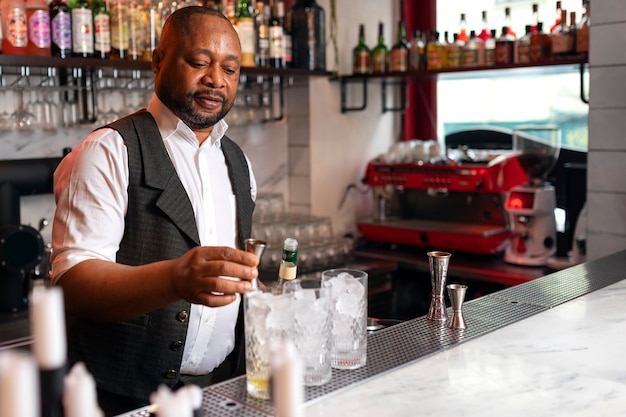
x,y
276,35
582,32
399,54
361,55
417,52
137,32
38,28
14,27
82,29
60,29
379,53
247,35
308,35
120,40
102,29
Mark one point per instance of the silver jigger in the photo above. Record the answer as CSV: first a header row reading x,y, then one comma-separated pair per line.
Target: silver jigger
x,y
438,262
456,292
257,247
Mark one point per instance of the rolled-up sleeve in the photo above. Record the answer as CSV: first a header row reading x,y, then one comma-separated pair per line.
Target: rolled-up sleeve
x,y
90,191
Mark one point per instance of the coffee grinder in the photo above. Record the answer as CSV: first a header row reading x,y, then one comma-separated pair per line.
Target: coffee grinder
x,y
531,206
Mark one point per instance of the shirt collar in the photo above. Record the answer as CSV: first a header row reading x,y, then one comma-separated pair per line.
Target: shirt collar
x,y
169,123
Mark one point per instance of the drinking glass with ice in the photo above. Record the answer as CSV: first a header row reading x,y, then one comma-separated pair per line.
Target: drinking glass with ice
x,y
349,316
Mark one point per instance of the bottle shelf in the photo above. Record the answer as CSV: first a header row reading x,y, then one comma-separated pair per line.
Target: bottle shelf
x,y
96,63
401,79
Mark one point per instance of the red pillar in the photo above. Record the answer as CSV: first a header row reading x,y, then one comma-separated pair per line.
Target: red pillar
x,y
420,117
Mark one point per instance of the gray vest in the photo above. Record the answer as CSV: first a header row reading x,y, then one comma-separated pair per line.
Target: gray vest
x,y
133,357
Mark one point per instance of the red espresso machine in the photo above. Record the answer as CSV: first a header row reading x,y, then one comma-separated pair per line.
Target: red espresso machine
x,y
454,204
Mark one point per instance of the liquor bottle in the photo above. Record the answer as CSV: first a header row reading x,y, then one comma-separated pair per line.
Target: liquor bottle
x,y
463,37
582,32
505,48
417,52
38,28
308,35
558,17
490,49
562,39
14,27
276,35
399,54
534,26
155,15
453,51
1,23
484,33
262,18
247,36
523,46
288,269
435,51
507,22
540,45
361,54
136,30
102,29
82,29
573,31
120,21
60,29
379,53
287,39
473,52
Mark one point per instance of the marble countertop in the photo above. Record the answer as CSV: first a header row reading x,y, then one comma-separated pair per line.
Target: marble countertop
x,y
565,361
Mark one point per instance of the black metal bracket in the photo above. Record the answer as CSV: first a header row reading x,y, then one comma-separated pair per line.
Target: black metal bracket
x,y
344,83
402,84
584,97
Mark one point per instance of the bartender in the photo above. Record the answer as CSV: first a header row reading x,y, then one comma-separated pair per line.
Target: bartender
x,y
150,212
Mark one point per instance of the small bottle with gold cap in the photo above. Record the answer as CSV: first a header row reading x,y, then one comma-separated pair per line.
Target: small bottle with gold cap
x,y
288,264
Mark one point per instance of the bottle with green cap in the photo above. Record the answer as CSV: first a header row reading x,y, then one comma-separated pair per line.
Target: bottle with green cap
x,y
288,263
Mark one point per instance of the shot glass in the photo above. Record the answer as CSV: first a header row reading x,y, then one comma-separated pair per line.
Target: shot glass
x,y
312,327
349,316
268,318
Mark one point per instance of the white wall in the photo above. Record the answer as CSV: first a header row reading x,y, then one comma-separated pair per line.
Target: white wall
x,y
606,193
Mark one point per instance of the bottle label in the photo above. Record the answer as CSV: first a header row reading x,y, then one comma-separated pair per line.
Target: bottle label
x,y
399,60
39,28
523,53
276,42
120,38
454,56
562,44
433,58
17,28
361,62
582,39
247,35
287,55
82,33
61,26
288,271
504,52
102,30
470,57
490,57
379,62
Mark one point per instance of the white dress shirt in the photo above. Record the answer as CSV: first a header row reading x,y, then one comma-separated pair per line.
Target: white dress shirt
x,y
91,197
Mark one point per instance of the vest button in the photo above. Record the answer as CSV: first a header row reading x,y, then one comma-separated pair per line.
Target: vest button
x,y
177,345
182,316
171,374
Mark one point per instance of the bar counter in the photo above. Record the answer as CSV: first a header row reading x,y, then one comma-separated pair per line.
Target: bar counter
x,y
549,347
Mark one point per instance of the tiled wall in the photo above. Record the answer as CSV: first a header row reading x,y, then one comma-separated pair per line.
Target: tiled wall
x,y
606,195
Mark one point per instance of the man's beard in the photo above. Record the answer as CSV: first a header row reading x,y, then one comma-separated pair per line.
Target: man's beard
x,y
186,111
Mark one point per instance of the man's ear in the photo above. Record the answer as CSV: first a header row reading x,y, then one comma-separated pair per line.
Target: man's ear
x,y
157,59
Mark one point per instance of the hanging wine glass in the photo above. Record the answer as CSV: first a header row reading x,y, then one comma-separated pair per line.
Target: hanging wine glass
x,y
22,118
5,116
